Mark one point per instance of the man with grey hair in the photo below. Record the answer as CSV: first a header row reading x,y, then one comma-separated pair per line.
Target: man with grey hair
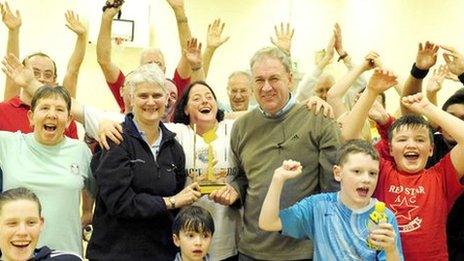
x,y
239,90
291,133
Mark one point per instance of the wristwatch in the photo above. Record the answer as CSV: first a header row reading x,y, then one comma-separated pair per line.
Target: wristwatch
x,y
172,200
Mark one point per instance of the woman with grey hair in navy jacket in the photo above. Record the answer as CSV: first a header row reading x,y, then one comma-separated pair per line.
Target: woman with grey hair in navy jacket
x,y
140,182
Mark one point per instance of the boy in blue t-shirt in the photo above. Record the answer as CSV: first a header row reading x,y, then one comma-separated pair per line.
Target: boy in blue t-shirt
x,y
336,222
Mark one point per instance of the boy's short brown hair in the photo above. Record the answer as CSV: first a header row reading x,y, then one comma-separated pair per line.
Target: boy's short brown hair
x,y
356,146
410,121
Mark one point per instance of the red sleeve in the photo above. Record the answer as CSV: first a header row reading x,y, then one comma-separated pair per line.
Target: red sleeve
x,y
446,171
115,87
383,129
386,167
383,147
180,83
71,131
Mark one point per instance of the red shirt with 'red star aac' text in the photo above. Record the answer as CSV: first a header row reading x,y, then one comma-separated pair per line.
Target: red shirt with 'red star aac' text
x,y
420,202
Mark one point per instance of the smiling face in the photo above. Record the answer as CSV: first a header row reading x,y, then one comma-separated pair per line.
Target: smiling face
x,y
50,117
271,83
411,147
193,245
20,227
358,178
201,105
149,103
239,92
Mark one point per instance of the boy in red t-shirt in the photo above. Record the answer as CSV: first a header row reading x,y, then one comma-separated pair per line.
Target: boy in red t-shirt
x,y
420,198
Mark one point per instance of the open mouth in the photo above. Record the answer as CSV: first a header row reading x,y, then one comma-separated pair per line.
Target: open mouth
x,y
50,127
205,110
411,156
363,191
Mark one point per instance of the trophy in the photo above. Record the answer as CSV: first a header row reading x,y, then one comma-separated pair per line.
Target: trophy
x,y
213,178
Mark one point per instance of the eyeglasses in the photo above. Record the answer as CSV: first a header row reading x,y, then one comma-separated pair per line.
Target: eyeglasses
x,y
48,76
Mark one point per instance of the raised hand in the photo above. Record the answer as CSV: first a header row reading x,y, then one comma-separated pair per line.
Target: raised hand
x,y
13,22
73,23
381,80
283,37
371,60
289,170
20,74
214,39
111,11
454,60
426,55
435,82
328,54
416,103
193,53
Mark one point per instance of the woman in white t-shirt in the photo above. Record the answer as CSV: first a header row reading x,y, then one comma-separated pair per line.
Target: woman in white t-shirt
x,y
198,112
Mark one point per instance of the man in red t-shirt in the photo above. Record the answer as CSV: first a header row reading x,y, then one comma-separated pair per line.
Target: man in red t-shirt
x,y
420,198
114,76
13,113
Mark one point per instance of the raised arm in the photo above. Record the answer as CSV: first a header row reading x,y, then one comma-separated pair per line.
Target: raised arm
x,y
342,54
449,123
213,41
379,82
306,85
425,59
23,77
75,61
193,55
338,90
13,23
110,70
269,219
455,61
185,34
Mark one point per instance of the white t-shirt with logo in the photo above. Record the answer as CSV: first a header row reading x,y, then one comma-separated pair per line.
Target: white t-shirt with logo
x,y
225,218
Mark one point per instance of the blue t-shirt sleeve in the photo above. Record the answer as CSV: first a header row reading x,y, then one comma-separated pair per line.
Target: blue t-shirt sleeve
x,y
297,220
392,220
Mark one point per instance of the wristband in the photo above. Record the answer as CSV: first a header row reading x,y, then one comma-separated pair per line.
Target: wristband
x,y
343,56
418,73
